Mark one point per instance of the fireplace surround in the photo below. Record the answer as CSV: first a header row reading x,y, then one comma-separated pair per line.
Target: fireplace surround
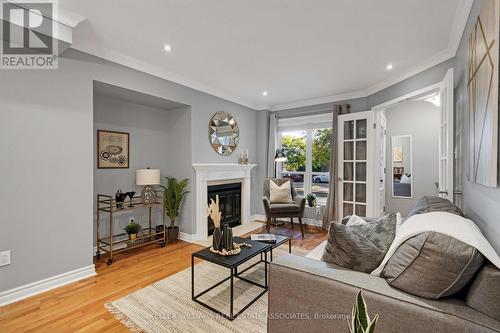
x,y
216,174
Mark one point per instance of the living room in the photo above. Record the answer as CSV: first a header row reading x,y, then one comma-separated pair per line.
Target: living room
x,y
237,165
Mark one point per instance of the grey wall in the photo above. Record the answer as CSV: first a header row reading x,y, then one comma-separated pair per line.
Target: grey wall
x,y
420,120
159,138
46,144
480,203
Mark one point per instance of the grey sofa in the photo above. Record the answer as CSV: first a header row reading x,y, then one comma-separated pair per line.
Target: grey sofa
x,y
308,295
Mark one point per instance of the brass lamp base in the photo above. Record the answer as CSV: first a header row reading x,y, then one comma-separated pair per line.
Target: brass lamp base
x,y
148,195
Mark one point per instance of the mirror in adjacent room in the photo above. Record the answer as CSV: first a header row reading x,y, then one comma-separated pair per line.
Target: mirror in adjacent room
x,y
223,133
402,176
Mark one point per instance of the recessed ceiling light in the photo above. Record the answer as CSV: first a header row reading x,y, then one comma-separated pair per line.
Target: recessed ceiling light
x,y
167,48
264,93
389,67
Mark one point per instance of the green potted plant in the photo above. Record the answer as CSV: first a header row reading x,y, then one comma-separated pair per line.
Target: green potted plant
x,y
311,199
360,321
174,193
132,229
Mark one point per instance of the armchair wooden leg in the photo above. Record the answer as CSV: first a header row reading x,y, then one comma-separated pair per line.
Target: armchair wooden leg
x,y
291,220
268,226
301,227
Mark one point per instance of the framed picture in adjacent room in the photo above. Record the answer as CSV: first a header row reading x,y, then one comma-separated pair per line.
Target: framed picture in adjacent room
x,y
113,150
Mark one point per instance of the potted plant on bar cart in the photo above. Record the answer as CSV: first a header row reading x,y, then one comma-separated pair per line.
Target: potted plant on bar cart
x,y
174,193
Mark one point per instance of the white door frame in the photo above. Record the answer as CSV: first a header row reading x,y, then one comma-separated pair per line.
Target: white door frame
x,y
445,89
380,142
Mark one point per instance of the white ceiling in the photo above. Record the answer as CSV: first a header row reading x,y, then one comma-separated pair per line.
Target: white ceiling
x,y
300,51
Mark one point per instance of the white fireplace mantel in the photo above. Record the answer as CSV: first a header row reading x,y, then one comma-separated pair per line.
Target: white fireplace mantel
x,y
208,174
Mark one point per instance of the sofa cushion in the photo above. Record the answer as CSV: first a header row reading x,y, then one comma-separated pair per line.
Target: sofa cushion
x,y
284,208
484,293
434,204
432,265
362,246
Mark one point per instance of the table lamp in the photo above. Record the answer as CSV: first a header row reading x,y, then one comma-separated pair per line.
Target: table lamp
x,y
147,178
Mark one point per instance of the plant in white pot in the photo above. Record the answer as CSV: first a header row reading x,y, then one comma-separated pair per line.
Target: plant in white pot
x,y
173,197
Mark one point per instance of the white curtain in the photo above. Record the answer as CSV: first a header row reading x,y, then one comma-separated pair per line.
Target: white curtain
x,y
273,144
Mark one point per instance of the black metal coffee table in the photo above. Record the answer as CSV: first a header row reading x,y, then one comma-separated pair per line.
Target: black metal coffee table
x,y
232,262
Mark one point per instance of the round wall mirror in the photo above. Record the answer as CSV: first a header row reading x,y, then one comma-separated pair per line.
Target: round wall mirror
x,y
223,133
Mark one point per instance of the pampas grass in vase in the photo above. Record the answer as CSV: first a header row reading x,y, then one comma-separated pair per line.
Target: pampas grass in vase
x,y
215,214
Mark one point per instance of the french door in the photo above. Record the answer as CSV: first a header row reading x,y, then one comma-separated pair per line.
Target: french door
x,y
355,164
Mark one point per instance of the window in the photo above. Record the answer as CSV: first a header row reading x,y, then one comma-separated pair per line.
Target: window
x,y
308,144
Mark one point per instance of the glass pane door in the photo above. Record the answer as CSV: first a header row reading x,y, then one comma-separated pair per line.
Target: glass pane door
x,y
354,176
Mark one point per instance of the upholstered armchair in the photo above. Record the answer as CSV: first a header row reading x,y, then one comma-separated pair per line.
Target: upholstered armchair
x,y
283,210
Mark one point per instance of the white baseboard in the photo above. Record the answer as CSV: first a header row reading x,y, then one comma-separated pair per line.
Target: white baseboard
x,y
258,217
190,238
37,287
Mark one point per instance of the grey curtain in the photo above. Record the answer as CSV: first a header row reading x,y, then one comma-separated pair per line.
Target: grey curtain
x,y
272,145
331,213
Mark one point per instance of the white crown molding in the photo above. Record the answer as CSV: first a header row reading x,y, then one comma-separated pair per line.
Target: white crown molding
x,y
37,287
141,66
316,101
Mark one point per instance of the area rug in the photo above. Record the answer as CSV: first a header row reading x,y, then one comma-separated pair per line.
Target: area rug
x,y
166,306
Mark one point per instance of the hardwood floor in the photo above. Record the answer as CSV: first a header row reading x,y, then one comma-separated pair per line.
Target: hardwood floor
x,y
79,307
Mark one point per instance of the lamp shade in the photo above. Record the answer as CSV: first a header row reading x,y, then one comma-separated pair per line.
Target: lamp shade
x,y
280,155
147,177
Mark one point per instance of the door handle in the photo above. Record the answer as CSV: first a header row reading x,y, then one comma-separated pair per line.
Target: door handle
x,y
339,179
445,192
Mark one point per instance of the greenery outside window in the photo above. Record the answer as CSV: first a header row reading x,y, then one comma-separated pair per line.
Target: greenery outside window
x,y
308,144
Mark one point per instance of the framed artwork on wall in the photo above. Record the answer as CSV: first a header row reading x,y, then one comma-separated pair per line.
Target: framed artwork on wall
x,y
112,150
482,85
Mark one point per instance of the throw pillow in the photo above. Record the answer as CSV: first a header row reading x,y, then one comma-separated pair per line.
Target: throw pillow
x,y
360,247
432,265
355,220
280,194
434,204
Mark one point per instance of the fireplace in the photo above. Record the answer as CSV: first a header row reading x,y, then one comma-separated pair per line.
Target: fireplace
x,y
216,174
229,204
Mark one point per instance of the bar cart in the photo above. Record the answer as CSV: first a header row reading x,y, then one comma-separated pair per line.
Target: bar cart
x,y
107,205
